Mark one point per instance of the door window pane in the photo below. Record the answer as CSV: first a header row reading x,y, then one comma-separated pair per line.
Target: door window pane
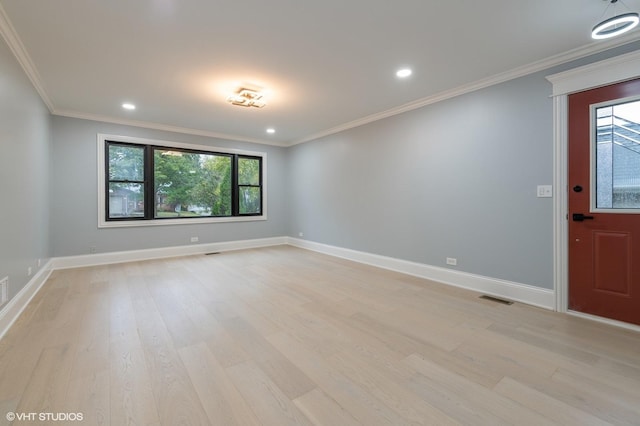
x,y
618,156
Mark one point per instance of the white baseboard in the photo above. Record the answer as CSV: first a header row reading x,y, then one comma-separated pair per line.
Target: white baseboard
x,y
501,288
159,253
607,321
12,310
524,293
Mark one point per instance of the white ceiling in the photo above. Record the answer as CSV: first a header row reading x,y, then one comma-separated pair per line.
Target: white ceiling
x,y
324,65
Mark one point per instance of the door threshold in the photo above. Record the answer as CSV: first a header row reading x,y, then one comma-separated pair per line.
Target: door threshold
x,y
615,323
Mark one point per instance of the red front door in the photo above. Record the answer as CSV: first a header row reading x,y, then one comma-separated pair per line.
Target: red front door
x,y
604,202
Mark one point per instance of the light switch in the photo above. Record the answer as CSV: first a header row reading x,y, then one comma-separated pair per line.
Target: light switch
x,y
545,191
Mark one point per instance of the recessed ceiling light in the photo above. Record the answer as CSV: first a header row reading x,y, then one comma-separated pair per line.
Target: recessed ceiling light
x,y
404,73
128,106
271,130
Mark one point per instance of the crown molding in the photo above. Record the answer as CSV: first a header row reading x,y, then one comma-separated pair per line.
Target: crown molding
x,y
19,51
10,35
534,67
596,74
163,127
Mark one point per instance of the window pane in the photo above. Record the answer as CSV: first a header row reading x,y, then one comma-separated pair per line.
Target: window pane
x,y
249,198
618,156
126,200
189,184
248,171
126,163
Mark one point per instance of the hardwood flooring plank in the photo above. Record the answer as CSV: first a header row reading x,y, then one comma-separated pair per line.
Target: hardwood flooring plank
x,y
279,369
175,397
608,402
49,381
89,395
323,410
389,390
363,406
554,410
7,406
221,400
472,403
268,401
131,389
92,356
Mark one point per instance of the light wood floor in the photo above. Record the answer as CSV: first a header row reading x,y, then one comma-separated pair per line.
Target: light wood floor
x,y
283,336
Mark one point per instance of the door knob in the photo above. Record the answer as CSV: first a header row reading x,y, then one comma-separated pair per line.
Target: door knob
x,y
577,188
579,217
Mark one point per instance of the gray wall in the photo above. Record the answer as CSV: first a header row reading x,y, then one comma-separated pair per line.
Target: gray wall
x,y
24,174
74,226
453,179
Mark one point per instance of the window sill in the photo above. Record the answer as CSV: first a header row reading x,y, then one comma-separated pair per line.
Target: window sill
x,y
190,221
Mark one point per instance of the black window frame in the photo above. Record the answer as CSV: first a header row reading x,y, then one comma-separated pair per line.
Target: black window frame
x,y
149,183
237,185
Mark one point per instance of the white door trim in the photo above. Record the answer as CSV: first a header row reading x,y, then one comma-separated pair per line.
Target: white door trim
x,y
598,74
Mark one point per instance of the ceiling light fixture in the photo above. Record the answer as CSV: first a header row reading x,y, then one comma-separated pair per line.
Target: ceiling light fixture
x,y
404,73
271,130
247,98
128,106
618,24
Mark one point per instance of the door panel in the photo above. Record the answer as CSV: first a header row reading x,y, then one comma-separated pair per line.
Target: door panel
x,y
604,187
612,262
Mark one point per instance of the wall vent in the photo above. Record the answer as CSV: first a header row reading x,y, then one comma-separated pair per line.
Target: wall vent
x,y
496,299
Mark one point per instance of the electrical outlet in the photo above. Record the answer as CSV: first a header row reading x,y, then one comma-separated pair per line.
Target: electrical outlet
x,y
195,239
93,249
452,261
29,271
39,262
300,234
545,191
4,290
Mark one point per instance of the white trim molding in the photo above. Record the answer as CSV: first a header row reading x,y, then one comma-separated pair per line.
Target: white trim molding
x,y
510,290
67,262
621,68
12,310
560,205
102,140
163,127
606,321
597,74
8,32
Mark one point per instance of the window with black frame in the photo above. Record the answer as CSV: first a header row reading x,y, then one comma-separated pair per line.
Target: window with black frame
x,y
126,183
148,182
249,185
